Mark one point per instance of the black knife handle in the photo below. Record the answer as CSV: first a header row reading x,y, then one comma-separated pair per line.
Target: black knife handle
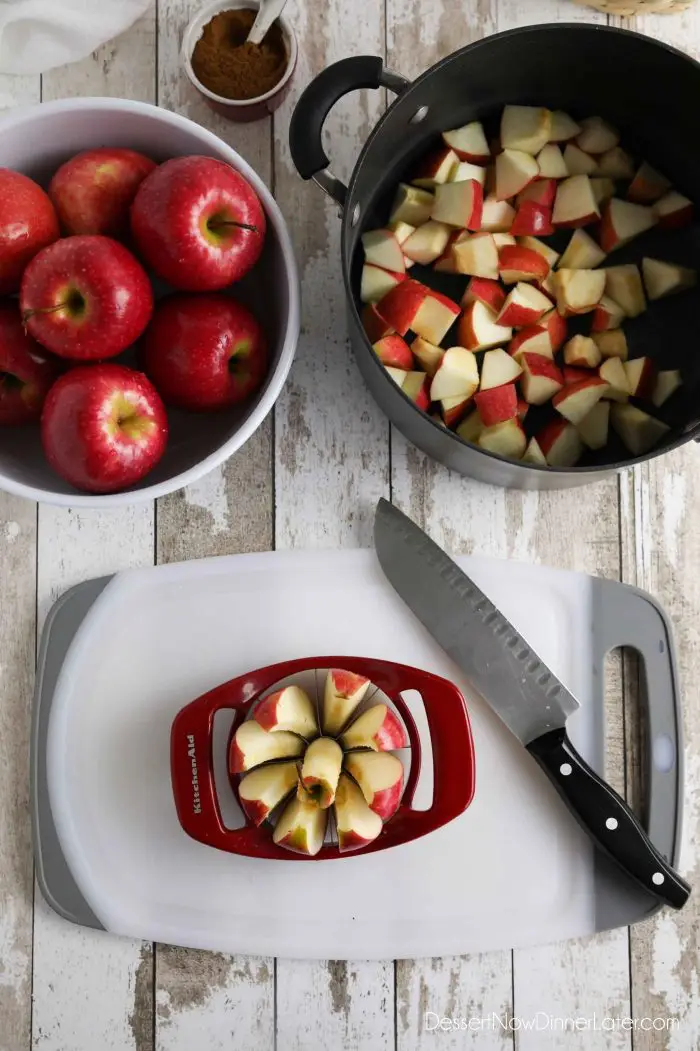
x,y
607,818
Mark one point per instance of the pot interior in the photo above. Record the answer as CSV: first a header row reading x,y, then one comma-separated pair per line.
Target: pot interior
x,y
646,90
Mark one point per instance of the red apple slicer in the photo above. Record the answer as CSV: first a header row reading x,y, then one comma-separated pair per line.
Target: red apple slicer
x,y
192,765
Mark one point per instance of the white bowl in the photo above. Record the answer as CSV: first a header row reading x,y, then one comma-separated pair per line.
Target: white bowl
x,y
36,140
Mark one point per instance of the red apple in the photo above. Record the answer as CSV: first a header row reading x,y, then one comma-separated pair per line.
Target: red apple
x,y
103,427
395,351
85,298
26,371
533,339
28,222
379,775
198,223
560,443
484,290
497,404
93,191
204,352
533,219
377,728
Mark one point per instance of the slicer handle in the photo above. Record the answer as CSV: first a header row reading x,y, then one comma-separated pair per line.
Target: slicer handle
x,y
606,818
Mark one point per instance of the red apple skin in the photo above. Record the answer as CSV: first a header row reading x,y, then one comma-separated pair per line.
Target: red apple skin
x,y
391,734
27,372
254,810
103,427
174,221
93,191
85,298
28,222
385,803
351,840
532,219
497,404
204,352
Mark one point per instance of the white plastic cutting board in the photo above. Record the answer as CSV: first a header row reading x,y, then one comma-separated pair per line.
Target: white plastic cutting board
x,y
514,869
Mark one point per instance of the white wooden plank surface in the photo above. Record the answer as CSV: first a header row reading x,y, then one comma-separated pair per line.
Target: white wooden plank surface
x,y
331,466
208,999
661,552
91,989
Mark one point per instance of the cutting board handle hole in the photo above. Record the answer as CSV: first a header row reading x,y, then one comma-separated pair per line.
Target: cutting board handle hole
x,y
423,798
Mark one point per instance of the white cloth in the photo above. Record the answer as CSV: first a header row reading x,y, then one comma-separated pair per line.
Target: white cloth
x,y
36,35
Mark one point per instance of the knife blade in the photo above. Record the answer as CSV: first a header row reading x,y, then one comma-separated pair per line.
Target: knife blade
x,y
521,690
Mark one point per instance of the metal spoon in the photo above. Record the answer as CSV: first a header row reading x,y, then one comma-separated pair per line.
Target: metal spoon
x,y
269,10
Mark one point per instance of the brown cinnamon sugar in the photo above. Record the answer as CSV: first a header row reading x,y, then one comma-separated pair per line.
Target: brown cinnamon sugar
x,y
228,66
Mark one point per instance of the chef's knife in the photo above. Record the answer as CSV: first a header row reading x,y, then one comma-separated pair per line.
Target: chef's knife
x,y
520,689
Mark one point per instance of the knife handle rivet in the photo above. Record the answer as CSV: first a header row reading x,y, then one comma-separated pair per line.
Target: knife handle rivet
x,y
657,878
565,769
611,823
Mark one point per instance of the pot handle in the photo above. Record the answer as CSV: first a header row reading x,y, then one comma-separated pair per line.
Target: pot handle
x,y
316,102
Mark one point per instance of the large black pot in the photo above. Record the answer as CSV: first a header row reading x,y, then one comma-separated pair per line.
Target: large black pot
x,y
648,90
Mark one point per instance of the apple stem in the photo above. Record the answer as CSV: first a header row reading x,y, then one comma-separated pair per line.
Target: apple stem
x,y
27,314
231,222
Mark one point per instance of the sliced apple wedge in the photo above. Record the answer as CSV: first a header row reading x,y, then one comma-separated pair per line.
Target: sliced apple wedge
x,y
484,290
575,204
616,164
427,242
377,728
639,431
517,263
356,823
264,788
560,443
525,305
382,248
563,127
459,204
623,284
525,128
551,162
576,400
515,169
471,427
400,306
541,379
557,328
395,351
533,454
504,239
379,776
582,253
613,372
468,142
497,368
464,171
411,205
301,827
582,352
597,136
578,291
320,771
435,316
416,386
342,693
622,221
641,378
457,375
252,745
479,329
496,216
607,315
376,282
593,428
477,256
289,709
578,162
427,355
434,170
496,405
663,279
667,383
504,439
375,326
543,249
540,190
673,211
648,185
533,339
